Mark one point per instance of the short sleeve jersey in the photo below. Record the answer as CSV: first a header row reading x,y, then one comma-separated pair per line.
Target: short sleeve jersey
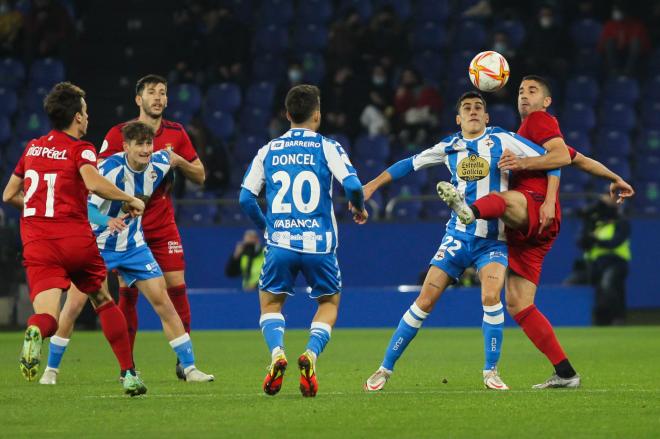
x,y
55,196
160,212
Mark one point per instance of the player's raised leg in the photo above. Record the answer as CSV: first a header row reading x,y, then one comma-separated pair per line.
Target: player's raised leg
x,y
273,326
40,325
435,283
492,281
73,306
520,294
155,291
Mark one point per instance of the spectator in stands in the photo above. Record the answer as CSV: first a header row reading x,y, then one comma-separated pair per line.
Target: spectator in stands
x,y
343,41
375,115
48,30
226,47
416,106
384,38
623,40
247,260
343,97
546,45
11,24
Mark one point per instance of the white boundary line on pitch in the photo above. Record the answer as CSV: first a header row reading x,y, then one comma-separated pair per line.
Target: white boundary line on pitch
x,y
402,392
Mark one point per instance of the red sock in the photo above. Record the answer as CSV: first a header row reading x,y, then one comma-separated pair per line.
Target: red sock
x,y
488,207
179,299
128,298
540,332
45,322
114,328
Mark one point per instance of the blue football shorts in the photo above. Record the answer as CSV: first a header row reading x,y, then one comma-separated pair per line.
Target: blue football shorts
x,y
135,264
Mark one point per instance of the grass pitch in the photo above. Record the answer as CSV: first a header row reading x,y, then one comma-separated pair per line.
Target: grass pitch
x,y
620,396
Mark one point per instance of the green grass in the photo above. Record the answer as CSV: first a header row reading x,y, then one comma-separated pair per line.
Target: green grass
x,y
620,396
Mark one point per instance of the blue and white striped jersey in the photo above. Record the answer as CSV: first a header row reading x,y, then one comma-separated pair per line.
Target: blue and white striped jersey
x,y
473,166
116,169
297,170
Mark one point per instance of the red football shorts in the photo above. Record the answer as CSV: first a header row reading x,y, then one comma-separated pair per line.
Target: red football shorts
x,y
527,248
165,245
55,263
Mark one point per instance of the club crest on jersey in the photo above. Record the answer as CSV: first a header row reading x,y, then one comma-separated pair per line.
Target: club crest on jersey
x,y
153,175
473,168
440,254
489,142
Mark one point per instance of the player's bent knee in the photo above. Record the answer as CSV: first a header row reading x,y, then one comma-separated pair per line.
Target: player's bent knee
x,y
98,298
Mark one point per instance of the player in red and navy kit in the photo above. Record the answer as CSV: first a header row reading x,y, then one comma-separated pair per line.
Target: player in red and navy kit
x,y
160,230
531,211
50,185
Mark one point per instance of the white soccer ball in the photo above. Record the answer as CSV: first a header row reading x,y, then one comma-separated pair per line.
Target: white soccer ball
x,y
489,71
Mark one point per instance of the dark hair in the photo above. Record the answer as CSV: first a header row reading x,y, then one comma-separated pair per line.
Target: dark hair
x,y
302,101
541,80
62,104
149,79
138,131
470,95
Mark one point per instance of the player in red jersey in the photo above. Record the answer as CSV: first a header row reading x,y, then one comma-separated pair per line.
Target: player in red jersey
x,y
531,212
160,230
50,185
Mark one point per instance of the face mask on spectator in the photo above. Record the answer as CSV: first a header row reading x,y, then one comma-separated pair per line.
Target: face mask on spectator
x,y
378,80
545,22
295,75
617,15
500,47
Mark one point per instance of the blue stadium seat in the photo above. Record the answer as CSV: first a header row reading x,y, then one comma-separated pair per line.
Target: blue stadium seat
x,y
225,97
619,165
514,29
587,61
619,117
260,95
647,197
458,64
8,102
648,143
504,116
428,36
647,169
436,210
431,65
46,72
343,141
271,39
33,100
470,35
654,63
585,33
372,147
582,89
578,117
220,124
404,208
233,214
651,115
369,168
612,143
401,7
622,89
652,89
431,10
185,97
197,214
314,11
276,12
254,121
31,125
268,67
579,140
364,8
12,73
313,67
247,146
456,88
183,117
311,37
5,130
573,180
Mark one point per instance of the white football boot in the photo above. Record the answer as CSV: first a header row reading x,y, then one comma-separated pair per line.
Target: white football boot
x,y
493,381
378,380
194,375
456,201
49,376
556,382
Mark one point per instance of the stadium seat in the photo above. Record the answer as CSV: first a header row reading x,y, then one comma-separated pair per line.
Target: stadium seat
x,y
225,97
246,148
404,208
343,141
364,8
436,11
585,33
268,67
455,89
647,169
185,97
435,210
8,102
619,165
577,117
368,169
372,147
470,35
12,73
276,12
651,115
428,36
260,95
458,64
622,90
46,72
587,61
647,197
312,37
197,214
314,11
271,39
232,213
220,124
654,62
579,140
612,143
33,100
514,29
401,7
574,180
254,121
181,116
31,125
619,117
504,116
583,89
5,130
313,67
431,65
648,143
652,89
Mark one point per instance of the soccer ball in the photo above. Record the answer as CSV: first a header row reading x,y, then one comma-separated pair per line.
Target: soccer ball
x,y
489,71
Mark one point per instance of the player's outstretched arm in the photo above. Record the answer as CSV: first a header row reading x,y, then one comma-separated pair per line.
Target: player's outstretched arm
x,y
95,183
396,171
619,188
250,206
13,194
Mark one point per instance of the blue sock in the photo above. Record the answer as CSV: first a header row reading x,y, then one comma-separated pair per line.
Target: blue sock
x,y
56,350
492,327
407,330
184,350
272,327
319,336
